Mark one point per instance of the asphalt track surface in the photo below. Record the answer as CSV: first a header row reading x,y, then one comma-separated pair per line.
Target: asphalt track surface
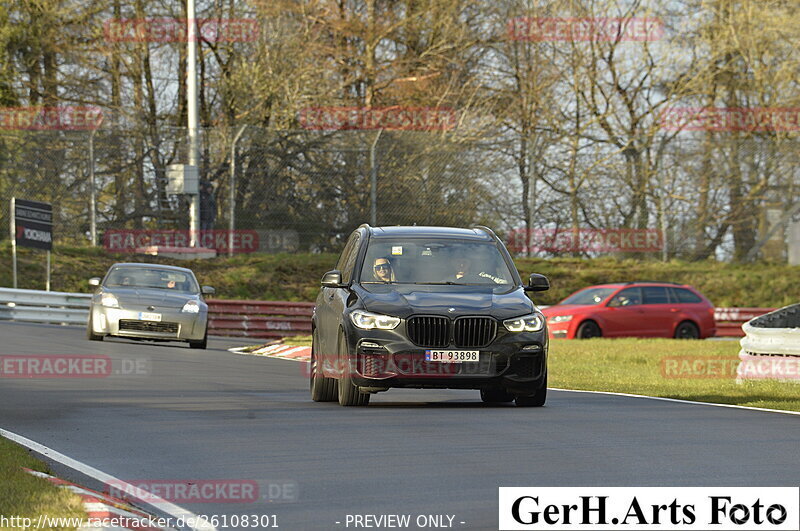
x,y
199,415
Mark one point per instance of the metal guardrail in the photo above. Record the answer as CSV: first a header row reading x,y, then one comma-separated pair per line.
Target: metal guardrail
x,y
258,319
44,306
261,319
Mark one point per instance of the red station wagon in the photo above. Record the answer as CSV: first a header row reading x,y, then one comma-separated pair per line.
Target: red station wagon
x,y
633,309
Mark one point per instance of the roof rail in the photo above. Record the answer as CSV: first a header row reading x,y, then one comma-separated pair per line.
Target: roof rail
x,y
654,282
488,230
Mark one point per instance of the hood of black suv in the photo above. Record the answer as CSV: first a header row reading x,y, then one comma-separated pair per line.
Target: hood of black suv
x,y
403,300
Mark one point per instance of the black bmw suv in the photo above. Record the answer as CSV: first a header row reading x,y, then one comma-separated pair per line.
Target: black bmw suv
x,y
428,307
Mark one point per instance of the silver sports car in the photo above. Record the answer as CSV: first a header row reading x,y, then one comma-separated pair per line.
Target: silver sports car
x,y
149,301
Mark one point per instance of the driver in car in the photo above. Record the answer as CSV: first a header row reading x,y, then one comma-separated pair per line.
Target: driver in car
x,y
464,273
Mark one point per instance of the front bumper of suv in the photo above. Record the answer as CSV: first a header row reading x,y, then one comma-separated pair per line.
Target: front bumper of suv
x,y
383,359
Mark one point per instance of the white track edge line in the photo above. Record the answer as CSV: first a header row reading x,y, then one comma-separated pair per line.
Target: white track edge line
x,y
629,395
679,401
159,503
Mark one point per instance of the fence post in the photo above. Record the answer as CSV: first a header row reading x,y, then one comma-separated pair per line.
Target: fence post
x,y
373,192
232,206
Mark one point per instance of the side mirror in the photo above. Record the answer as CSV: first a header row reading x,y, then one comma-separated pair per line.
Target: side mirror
x,y
208,290
537,282
332,279
94,281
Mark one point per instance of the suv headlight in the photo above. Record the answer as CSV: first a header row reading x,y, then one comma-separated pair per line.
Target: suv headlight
x,y
109,300
527,323
191,307
369,320
560,319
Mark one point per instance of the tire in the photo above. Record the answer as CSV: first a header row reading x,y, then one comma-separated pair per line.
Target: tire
x,y
203,343
323,389
687,330
496,395
535,400
90,335
588,330
349,395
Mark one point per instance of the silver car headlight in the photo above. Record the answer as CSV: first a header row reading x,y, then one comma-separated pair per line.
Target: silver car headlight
x,y
527,323
191,307
369,320
109,300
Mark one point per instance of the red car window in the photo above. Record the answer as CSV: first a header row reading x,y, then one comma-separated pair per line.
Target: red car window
x,y
626,297
655,295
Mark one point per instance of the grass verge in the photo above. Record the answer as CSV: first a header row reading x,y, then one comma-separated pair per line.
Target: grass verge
x,y
656,367
652,367
295,277
27,496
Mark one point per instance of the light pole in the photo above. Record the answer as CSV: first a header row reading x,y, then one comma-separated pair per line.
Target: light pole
x,y
92,193
191,96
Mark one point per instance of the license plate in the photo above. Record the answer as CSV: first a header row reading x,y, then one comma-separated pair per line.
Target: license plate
x,y
452,356
145,316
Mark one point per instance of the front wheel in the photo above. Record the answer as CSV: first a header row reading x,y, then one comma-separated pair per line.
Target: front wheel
x,y
535,400
349,395
90,335
588,330
687,330
202,344
323,389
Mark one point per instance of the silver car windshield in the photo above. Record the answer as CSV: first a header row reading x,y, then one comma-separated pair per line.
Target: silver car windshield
x,y
434,261
142,277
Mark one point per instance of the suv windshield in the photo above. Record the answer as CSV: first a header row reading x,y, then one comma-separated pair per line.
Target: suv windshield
x,y
589,296
142,277
434,261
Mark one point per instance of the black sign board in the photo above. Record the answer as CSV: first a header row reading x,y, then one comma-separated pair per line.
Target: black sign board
x,y
32,224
